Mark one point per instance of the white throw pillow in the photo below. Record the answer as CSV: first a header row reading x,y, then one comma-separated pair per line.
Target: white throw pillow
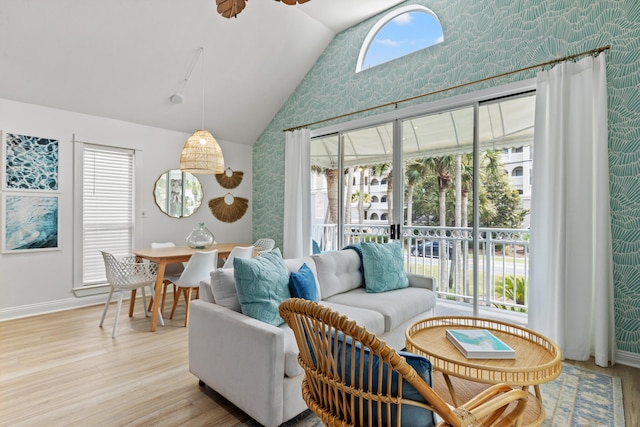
x,y
223,286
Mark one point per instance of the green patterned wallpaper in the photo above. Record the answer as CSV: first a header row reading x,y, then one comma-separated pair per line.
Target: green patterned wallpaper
x,y
484,38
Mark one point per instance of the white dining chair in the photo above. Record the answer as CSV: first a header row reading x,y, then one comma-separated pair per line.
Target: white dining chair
x,y
127,273
174,269
199,268
264,245
238,252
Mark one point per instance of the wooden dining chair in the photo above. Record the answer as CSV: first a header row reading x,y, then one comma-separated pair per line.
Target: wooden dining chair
x,y
352,378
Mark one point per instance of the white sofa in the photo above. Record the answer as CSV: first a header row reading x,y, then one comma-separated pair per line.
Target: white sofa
x,y
254,364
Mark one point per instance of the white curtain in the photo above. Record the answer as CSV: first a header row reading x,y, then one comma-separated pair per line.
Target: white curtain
x,y
297,195
571,287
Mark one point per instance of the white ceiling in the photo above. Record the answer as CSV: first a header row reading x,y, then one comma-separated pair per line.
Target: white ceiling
x,y
123,59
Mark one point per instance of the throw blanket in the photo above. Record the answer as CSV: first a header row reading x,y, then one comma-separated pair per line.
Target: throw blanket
x,y
356,247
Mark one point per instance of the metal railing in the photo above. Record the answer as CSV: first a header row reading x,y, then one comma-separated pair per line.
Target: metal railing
x,y
503,264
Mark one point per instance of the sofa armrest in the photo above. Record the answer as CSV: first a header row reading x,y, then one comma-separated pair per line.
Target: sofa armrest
x,y
419,281
240,357
206,294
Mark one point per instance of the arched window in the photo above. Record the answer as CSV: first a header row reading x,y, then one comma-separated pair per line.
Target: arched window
x,y
374,182
517,150
383,199
517,171
384,181
374,217
374,199
400,32
383,217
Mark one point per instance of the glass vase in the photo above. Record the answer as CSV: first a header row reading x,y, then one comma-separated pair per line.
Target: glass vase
x,y
200,237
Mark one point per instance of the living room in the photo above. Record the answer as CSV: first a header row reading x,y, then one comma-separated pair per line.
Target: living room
x,y
498,35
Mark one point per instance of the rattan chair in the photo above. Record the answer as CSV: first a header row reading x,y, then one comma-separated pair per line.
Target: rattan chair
x,y
362,383
128,273
264,245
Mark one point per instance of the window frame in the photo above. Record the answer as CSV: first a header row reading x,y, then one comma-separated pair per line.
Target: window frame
x,y
79,287
382,22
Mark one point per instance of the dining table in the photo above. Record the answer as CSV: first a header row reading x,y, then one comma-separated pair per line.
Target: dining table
x,y
164,256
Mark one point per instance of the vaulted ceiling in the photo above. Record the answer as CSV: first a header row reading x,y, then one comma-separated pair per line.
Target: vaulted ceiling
x,y
123,59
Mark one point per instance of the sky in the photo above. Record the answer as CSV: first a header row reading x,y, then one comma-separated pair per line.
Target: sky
x,y
404,34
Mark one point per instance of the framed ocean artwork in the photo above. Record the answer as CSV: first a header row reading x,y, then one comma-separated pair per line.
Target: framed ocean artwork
x,y
30,222
29,162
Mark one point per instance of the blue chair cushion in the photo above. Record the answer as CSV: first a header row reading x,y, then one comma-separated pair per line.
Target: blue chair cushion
x,y
383,266
412,416
302,284
262,283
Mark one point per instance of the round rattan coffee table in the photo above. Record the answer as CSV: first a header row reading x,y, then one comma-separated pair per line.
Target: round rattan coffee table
x,y
537,361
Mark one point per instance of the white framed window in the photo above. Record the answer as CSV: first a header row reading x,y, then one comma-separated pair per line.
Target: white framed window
x,y
400,32
104,207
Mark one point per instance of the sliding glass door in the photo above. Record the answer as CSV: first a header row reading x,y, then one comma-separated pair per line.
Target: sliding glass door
x,y
453,185
486,264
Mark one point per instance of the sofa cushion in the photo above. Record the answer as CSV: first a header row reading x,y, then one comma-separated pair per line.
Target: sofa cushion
x,y
262,283
369,319
395,306
302,284
223,287
383,266
337,272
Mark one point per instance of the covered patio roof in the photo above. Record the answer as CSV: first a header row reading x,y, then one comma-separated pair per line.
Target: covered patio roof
x,y
502,124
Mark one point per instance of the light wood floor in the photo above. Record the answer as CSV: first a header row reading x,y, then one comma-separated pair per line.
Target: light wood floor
x,y
61,369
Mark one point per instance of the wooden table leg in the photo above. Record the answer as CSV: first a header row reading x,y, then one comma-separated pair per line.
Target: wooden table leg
x,y
452,392
156,293
132,302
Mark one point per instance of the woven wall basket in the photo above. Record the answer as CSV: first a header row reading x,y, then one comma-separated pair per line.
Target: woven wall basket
x,y
229,178
228,212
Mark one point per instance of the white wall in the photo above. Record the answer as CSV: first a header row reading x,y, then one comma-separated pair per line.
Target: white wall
x,y
38,282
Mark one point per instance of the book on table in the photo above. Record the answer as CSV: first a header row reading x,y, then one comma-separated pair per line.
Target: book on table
x,y
480,344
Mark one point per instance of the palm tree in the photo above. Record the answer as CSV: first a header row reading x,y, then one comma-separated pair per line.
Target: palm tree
x,y
441,168
361,198
413,173
332,190
348,196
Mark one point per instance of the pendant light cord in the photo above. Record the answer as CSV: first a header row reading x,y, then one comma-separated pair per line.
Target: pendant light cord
x,y
203,76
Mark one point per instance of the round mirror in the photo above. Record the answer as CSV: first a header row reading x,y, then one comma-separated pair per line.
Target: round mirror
x,y
177,193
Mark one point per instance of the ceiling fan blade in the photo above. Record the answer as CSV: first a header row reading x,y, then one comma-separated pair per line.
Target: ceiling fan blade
x,y
293,2
230,8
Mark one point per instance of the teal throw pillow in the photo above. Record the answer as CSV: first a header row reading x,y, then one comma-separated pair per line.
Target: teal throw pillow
x,y
262,284
383,266
302,284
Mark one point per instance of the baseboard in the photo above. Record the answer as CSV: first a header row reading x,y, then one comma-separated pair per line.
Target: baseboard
x,y
628,358
49,307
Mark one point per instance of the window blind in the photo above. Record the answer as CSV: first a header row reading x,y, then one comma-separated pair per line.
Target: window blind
x,y
107,207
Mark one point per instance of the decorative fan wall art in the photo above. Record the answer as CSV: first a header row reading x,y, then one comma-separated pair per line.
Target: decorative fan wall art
x,y
231,8
228,208
229,178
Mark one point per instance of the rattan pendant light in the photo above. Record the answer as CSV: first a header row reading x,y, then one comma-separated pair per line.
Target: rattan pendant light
x,y
201,153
